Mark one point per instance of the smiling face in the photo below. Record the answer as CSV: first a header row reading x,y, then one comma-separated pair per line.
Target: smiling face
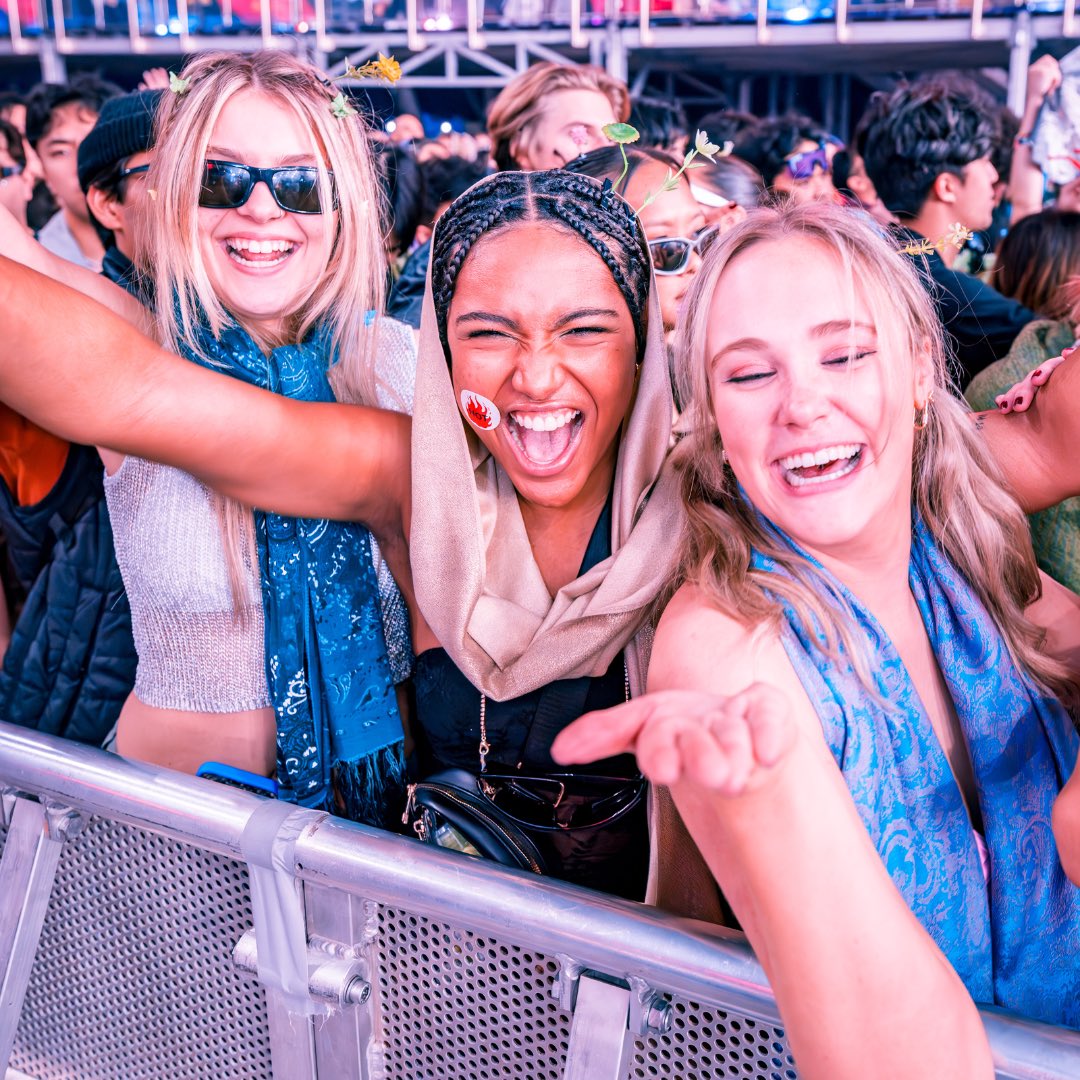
x,y
570,124
263,262
814,403
538,326
674,213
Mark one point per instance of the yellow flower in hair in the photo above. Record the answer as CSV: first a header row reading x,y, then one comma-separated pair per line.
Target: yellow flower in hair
x,y
922,246
385,68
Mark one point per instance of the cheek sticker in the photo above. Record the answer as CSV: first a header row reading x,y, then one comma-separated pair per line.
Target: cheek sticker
x,y
481,413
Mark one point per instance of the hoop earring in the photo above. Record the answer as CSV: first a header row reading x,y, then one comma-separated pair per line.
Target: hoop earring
x,y
922,415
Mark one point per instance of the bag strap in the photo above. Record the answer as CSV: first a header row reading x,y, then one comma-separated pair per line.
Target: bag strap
x,y
558,702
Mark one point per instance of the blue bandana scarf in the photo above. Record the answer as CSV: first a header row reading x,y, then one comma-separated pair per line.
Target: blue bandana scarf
x,y
1016,942
326,662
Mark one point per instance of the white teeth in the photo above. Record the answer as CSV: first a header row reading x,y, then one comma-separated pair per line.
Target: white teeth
x,y
551,421
259,247
820,457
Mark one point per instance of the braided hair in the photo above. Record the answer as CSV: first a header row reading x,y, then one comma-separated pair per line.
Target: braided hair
x,y
576,204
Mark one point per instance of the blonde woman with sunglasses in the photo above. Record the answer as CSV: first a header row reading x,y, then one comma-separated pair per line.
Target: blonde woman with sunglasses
x,y
261,638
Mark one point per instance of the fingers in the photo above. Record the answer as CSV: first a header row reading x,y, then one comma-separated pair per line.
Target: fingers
x,y
767,716
602,734
722,744
1018,398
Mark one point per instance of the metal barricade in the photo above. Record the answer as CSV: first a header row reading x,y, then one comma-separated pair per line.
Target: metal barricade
x,y
137,906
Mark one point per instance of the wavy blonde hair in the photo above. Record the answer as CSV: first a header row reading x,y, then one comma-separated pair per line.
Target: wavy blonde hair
x,y
522,101
353,282
955,483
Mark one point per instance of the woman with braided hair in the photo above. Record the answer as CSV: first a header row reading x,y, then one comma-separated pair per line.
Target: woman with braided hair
x,y
517,510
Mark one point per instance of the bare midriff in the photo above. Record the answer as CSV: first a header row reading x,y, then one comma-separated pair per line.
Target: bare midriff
x,y
182,740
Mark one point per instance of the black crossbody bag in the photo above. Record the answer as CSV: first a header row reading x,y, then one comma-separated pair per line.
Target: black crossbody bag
x,y
501,814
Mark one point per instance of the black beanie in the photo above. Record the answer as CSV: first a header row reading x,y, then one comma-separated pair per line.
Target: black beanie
x,y
125,127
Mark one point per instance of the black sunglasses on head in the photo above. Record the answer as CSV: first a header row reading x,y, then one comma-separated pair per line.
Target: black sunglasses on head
x,y
228,184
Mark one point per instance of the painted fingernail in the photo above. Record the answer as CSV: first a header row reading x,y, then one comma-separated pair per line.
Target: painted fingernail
x,y
1004,405
1019,401
1036,373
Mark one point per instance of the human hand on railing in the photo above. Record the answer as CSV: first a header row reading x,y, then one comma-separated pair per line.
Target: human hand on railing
x,y
155,79
725,744
1019,397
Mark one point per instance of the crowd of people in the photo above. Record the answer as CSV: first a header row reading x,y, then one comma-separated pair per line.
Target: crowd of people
x,y
610,510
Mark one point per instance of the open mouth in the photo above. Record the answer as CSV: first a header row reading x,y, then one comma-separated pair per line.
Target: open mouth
x,y
258,253
544,439
821,466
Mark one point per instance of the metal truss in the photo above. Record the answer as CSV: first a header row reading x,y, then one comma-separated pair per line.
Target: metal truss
x,y
681,58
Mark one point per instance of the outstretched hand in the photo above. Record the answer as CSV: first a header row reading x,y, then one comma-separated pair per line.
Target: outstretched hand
x,y
726,744
1018,398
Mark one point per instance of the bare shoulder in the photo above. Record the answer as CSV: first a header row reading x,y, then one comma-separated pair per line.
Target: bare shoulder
x,y
699,646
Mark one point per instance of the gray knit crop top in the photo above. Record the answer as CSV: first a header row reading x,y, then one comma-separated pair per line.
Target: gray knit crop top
x,y
195,651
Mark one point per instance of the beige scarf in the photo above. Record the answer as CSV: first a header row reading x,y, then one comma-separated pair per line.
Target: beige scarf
x,y
476,581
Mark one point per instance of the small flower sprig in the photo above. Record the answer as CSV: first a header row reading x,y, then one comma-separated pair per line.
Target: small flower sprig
x,y
177,85
956,236
384,67
623,134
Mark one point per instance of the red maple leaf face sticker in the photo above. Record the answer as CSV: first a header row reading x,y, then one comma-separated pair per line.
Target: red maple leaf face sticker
x,y
478,413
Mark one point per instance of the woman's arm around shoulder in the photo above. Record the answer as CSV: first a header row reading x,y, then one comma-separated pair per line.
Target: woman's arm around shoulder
x,y
17,244
85,374
727,725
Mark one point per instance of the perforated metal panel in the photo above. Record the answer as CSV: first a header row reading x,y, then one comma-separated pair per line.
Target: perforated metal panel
x,y
133,978
708,1043
458,1006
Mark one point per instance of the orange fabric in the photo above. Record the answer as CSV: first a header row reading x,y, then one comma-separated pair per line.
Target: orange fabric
x,y
31,459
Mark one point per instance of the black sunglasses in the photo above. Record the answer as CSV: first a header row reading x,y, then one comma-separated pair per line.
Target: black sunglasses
x,y
135,170
228,184
671,254
562,802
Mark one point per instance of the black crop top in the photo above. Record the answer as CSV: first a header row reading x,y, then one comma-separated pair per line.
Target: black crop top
x,y
612,858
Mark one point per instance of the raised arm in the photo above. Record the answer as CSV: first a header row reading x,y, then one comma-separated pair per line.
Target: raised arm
x,y
856,977
1026,181
86,374
17,244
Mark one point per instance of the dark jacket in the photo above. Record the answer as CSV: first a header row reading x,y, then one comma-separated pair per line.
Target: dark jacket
x,y
71,662
407,297
981,323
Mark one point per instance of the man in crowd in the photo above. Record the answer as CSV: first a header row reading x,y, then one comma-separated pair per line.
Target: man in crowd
x,y
927,153
58,118
112,164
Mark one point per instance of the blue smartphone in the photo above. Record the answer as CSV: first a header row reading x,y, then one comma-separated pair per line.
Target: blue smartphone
x,y
240,778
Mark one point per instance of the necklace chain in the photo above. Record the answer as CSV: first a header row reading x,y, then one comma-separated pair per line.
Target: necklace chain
x,y
485,747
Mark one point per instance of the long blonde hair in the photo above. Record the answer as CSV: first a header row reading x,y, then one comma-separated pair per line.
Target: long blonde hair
x,y
955,483
352,285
